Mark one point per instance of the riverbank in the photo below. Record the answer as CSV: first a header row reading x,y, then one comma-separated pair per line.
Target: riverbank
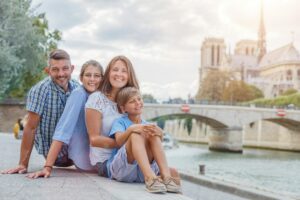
x,y
235,189
183,141
261,170
68,183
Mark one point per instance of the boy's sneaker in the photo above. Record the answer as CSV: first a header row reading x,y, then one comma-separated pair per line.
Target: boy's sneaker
x,y
172,184
155,185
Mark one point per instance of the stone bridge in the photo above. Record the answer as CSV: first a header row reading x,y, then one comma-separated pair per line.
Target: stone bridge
x,y
227,122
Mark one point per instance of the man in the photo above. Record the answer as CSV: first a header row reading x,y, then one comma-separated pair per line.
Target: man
x,y
45,104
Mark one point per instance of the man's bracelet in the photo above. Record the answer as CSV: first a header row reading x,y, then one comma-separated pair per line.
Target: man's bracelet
x,y
48,166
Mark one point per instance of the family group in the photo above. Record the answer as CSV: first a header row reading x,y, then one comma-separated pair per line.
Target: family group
x,y
96,126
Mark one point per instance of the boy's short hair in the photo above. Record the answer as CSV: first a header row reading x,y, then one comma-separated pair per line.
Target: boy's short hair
x,y
125,94
59,54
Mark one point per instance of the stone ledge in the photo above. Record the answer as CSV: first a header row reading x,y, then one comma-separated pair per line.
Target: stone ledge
x,y
235,189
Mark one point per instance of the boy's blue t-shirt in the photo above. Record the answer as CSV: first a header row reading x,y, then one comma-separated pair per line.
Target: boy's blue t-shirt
x,y
121,124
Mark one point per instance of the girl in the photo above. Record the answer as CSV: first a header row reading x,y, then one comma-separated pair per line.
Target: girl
x,y
102,110
71,128
142,157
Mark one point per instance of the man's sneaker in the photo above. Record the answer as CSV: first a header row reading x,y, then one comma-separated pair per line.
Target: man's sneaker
x,y
172,184
155,185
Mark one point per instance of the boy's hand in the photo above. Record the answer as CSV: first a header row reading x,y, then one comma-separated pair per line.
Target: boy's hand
x,y
154,130
137,128
142,129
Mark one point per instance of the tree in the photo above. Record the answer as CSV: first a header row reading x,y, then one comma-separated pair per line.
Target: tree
x,y
239,91
176,100
188,123
148,98
213,85
24,45
257,93
9,65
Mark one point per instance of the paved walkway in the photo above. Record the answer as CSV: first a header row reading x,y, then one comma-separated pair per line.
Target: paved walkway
x,y
69,184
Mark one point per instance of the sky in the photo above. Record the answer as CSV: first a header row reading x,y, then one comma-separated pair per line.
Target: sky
x,y
162,38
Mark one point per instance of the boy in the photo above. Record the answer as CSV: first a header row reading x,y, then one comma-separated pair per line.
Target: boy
x,y
141,157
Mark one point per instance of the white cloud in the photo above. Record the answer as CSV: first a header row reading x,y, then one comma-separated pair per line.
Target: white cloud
x,y
170,90
163,38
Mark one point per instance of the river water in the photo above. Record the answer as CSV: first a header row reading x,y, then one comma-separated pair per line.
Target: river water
x,y
276,171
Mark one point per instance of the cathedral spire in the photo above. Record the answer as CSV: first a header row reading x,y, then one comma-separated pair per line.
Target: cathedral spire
x,y
261,43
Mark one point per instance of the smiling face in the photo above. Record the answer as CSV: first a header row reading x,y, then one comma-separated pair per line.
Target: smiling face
x,y
134,106
118,75
60,72
91,78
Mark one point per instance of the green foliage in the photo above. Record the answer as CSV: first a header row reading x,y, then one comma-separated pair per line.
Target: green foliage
x,y
257,93
289,92
239,91
279,101
161,122
9,65
24,44
188,123
213,85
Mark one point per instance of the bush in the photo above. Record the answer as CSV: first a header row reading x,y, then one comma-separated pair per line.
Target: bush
x,y
289,92
279,101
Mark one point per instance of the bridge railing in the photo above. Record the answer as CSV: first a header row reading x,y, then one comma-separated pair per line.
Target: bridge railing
x,y
226,103
22,102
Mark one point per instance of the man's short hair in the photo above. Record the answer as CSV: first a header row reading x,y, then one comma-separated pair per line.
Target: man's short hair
x,y
59,54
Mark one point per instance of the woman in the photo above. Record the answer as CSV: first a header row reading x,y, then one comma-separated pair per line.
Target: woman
x,y
102,110
71,128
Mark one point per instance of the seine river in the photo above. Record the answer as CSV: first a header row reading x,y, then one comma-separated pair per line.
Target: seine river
x,y
276,171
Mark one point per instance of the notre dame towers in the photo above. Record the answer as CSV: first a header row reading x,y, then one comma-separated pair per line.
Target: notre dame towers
x,y
212,55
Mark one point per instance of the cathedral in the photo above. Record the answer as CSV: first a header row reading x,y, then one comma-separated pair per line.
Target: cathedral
x,y
273,72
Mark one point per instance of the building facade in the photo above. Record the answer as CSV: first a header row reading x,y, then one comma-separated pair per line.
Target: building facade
x,y
273,72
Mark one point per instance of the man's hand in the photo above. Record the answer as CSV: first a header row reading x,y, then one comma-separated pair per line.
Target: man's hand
x,y
20,169
46,172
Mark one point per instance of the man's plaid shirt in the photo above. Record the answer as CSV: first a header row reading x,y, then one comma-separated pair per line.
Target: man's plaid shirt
x,y
47,100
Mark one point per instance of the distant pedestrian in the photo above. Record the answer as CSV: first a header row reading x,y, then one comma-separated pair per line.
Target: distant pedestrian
x,y
18,129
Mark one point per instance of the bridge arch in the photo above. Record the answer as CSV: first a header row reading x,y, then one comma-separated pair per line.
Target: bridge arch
x,y
225,116
206,120
229,124
287,123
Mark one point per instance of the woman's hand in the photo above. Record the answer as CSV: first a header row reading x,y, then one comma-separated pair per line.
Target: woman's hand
x,y
46,172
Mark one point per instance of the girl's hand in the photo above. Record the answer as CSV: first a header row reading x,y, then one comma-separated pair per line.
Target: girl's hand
x,y
43,173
